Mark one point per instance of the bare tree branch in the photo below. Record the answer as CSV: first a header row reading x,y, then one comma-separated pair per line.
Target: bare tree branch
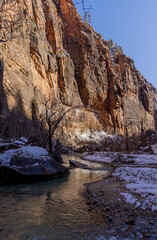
x,y
86,11
50,121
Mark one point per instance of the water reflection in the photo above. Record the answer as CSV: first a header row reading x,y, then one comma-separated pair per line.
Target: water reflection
x,y
50,210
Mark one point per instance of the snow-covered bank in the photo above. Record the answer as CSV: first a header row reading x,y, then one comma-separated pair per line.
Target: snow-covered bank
x,y
139,173
113,157
96,136
100,157
141,181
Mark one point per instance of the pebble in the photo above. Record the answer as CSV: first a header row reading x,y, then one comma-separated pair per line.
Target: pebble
x,y
95,201
110,219
130,221
151,222
88,202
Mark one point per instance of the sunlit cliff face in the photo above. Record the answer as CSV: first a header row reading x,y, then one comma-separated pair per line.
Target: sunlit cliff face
x,y
54,55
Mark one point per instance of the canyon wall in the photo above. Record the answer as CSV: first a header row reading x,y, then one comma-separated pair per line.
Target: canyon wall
x,y
56,56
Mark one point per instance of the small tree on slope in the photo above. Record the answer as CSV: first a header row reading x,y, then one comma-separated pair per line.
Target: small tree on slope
x,y
50,121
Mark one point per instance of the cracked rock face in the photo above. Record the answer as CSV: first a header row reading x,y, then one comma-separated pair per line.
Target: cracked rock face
x,y
56,56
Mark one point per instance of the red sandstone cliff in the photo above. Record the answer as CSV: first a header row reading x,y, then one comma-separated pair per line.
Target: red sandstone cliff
x,y
58,56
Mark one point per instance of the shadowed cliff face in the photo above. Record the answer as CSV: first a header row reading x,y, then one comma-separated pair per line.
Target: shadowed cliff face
x,y
59,57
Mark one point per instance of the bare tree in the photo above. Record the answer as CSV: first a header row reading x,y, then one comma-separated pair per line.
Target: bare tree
x,y
86,11
50,121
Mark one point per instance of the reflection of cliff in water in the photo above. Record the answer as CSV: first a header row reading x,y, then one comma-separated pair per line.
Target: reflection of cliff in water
x,y
50,210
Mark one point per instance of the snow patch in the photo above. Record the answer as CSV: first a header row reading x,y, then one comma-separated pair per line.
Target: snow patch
x,y
89,136
104,238
12,142
154,148
141,180
18,142
143,159
25,140
102,157
6,157
32,152
138,171
119,158
129,198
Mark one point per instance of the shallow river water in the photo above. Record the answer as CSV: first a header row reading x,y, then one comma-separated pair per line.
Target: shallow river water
x,y
51,210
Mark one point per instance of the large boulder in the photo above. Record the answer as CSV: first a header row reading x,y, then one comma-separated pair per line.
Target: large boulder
x,y
27,164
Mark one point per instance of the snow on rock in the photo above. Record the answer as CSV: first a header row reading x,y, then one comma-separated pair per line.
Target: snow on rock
x,y
154,148
140,180
18,142
89,136
33,152
29,163
12,144
25,140
6,157
25,151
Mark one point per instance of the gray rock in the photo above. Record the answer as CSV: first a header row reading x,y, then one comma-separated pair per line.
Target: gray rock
x,y
29,164
77,164
57,157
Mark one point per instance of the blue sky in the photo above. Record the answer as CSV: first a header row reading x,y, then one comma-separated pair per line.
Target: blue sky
x,y
131,24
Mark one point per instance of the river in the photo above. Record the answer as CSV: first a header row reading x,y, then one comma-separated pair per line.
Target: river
x,y
51,210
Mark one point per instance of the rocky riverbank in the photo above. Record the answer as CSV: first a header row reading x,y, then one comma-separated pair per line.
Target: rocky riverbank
x,y
122,219
127,198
